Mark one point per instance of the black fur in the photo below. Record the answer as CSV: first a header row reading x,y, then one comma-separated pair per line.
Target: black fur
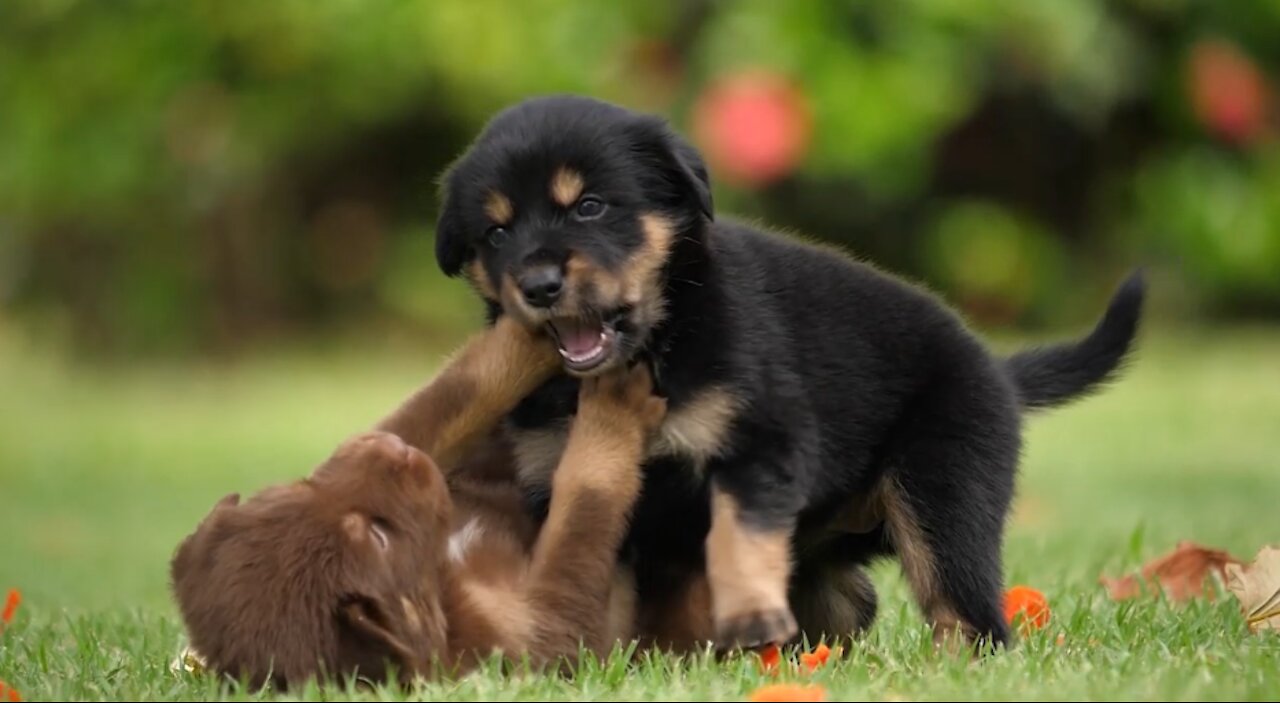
x,y
848,376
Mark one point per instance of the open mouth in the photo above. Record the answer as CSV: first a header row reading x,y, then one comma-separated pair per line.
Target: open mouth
x,y
584,344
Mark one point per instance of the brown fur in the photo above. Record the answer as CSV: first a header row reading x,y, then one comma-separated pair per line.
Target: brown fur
x,y
499,209
696,430
566,186
293,582
483,381
748,570
352,567
641,278
512,299
918,563
699,428
479,279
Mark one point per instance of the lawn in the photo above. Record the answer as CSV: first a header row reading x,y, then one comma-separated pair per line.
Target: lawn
x,y
103,470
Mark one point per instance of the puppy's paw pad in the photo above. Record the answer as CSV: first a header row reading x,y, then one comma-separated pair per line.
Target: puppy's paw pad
x,y
756,629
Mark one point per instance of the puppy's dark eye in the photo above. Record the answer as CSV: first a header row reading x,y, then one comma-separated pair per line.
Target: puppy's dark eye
x,y
496,236
590,208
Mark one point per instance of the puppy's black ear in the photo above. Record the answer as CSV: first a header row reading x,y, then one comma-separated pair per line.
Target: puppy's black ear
x,y
695,169
451,240
682,172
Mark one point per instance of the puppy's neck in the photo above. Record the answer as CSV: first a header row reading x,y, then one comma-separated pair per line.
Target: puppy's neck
x,y
692,331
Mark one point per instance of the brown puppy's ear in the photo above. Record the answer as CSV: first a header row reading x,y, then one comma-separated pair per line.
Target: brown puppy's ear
x,y
367,640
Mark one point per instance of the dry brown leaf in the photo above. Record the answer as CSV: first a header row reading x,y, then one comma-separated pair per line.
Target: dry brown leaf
x,y
1180,575
1257,587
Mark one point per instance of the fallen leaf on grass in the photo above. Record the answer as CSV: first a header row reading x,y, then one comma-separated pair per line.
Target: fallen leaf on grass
x,y
188,660
1257,587
788,692
1180,575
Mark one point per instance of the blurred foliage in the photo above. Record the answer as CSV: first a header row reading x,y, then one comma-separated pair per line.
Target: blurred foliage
x,y
181,176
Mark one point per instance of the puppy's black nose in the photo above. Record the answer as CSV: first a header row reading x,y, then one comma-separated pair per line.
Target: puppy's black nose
x,y
541,285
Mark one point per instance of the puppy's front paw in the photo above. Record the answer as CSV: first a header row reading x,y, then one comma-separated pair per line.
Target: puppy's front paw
x,y
755,629
624,394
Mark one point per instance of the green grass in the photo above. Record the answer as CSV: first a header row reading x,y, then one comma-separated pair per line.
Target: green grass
x,y
103,471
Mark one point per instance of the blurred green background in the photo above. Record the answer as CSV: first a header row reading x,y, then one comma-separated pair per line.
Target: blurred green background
x,y
216,228
205,177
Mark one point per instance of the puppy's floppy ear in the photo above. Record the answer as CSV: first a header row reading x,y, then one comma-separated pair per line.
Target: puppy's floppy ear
x,y
695,170
367,639
683,171
451,242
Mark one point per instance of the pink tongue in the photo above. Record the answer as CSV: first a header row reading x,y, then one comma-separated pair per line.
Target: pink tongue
x,y
577,338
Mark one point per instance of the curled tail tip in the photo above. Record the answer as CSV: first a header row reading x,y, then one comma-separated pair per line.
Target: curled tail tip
x,y
1058,373
1126,303
1133,289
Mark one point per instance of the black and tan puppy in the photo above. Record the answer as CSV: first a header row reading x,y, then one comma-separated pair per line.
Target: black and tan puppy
x,y
805,388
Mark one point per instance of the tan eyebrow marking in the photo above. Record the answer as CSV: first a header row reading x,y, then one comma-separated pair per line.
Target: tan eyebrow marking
x,y
499,209
566,186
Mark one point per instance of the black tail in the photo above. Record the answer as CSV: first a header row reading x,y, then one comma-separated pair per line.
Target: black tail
x,y
1054,374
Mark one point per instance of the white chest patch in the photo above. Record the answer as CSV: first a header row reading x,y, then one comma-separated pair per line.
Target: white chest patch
x,y
461,540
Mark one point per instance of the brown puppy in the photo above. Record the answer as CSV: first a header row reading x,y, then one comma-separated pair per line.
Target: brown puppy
x,y
373,560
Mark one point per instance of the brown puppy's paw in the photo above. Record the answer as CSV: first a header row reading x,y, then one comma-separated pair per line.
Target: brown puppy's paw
x,y
623,394
755,629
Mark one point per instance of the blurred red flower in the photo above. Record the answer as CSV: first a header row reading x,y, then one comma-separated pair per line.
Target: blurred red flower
x,y
1227,90
753,126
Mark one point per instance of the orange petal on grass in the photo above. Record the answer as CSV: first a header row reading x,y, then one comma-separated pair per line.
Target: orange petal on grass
x,y
9,694
788,692
1026,602
817,658
770,657
10,606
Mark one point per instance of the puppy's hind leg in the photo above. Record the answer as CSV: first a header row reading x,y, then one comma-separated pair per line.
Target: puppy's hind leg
x,y
946,495
831,593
